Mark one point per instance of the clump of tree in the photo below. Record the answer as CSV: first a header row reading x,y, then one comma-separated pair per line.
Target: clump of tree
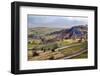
x,y
35,53
51,47
55,46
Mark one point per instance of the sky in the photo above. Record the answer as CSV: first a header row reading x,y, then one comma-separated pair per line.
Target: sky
x,y
55,21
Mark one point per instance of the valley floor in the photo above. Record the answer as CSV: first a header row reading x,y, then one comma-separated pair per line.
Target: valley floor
x,y
73,50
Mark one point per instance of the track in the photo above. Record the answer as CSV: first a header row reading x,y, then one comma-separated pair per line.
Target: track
x,y
65,47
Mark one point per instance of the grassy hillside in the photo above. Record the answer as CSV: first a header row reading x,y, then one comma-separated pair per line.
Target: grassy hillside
x,y
42,30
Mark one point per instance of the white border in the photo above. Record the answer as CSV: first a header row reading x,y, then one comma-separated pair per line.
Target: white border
x,y
26,65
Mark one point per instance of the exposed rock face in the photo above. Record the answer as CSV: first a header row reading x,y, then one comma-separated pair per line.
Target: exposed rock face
x,y
75,32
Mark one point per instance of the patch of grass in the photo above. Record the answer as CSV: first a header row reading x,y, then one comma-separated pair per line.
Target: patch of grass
x,y
74,49
83,55
67,42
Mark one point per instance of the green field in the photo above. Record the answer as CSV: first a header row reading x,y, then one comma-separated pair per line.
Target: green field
x,y
75,47
83,55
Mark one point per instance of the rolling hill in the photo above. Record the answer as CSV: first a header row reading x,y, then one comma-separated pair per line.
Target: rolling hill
x,y
59,33
74,32
42,30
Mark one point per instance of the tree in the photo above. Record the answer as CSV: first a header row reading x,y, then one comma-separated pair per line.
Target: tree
x,y
55,46
35,53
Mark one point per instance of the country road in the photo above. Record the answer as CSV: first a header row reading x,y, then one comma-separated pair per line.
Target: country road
x,y
65,47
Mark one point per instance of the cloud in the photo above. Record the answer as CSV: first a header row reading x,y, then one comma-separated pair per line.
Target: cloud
x,y
55,21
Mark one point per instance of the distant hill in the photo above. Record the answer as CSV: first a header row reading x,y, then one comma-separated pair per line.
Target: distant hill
x,y
41,31
74,32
